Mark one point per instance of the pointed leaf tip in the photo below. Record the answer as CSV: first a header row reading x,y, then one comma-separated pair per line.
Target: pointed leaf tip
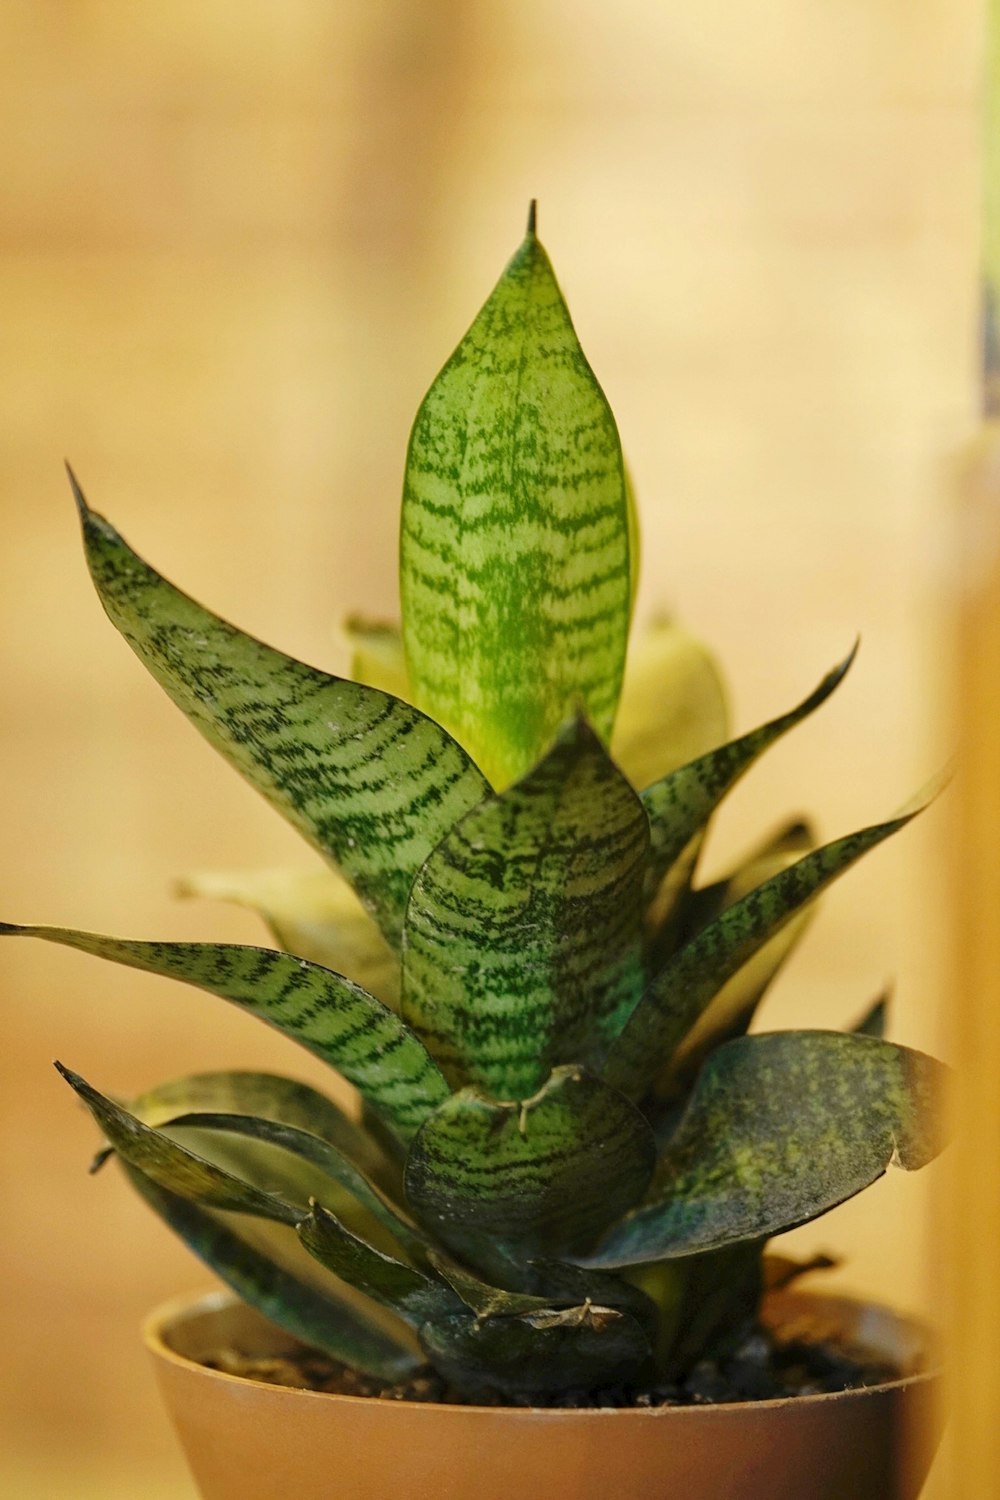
x,y
78,495
533,218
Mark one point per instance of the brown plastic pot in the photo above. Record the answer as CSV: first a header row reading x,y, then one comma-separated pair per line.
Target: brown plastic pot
x,y
248,1441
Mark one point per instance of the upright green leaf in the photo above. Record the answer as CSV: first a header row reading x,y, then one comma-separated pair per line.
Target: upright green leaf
x,y
780,1128
541,1175
522,943
679,994
322,1011
273,1280
681,803
514,551
369,781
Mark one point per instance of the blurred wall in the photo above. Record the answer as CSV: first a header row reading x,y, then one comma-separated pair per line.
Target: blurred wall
x,y
237,242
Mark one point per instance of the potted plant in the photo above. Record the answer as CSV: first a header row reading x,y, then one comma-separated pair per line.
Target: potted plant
x,y
540,1237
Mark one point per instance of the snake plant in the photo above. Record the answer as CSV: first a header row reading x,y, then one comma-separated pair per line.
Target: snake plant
x,y
567,1150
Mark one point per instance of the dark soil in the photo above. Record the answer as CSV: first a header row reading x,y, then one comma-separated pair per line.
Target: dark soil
x,y
764,1366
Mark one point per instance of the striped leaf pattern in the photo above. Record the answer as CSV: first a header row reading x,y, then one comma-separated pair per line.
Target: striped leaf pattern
x,y
369,781
522,945
313,914
322,1011
681,803
679,994
548,1173
514,552
271,1277
780,1128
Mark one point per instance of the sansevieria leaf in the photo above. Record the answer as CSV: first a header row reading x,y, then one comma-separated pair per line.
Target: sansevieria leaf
x,y
369,781
514,551
174,1166
268,1097
539,1353
522,944
322,1011
780,1128
314,914
303,1164
681,803
679,994
540,1175
732,1009
279,1280
411,1293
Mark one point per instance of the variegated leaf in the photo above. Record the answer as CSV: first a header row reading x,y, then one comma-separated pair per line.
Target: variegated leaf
x,y
322,1011
411,1293
680,993
681,803
272,1278
540,1175
369,781
780,1128
522,943
539,1354
313,914
514,551
733,1008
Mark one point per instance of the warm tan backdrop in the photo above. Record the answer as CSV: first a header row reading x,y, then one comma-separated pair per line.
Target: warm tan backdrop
x,y
236,243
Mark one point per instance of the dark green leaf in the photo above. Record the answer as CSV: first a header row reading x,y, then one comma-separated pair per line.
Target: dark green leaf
x,y
410,1293
173,1166
522,944
269,1096
325,1013
780,1128
304,1165
875,1018
372,783
271,1280
514,553
548,1173
732,1009
681,803
679,994
538,1354
550,1284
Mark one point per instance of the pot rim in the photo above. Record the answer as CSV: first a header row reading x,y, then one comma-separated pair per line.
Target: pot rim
x,y
157,1323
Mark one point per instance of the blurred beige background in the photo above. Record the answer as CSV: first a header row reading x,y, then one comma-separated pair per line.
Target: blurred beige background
x,y
237,242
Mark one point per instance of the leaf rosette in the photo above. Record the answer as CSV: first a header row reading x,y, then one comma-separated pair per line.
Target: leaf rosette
x,y
568,1148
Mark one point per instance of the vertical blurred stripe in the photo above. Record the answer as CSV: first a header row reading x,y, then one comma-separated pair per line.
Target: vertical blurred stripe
x,y
973,1203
